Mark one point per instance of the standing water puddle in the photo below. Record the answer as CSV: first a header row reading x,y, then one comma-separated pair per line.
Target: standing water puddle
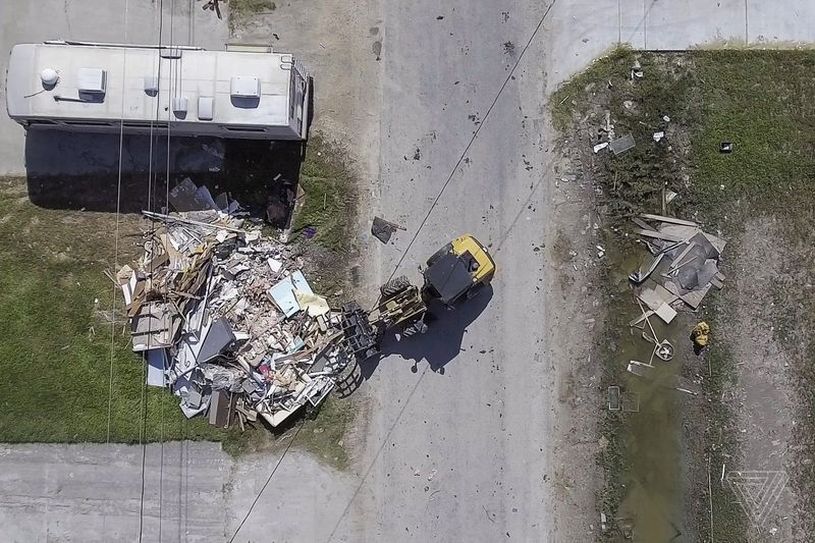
x,y
652,503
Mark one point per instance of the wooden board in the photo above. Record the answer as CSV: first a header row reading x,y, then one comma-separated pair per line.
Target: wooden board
x,y
666,313
694,297
658,235
663,218
642,224
678,260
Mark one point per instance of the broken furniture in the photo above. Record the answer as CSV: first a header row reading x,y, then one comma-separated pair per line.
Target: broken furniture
x,y
225,316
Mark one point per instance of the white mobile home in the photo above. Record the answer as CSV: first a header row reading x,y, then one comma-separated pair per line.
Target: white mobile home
x,y
251,94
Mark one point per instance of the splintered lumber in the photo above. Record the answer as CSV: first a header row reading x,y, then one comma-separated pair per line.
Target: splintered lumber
x,y
678,260
663,218
642,224
658,235
694,297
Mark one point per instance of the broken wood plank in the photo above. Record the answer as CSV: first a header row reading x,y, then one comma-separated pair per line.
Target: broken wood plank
x,y
641,318
642,224
694,298
666,313
658,235
717,242
716,283
639,276
682,231
663,218
677,261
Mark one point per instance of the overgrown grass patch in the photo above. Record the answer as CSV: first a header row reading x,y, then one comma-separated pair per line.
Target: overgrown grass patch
x,y
764,103
69,376
241,11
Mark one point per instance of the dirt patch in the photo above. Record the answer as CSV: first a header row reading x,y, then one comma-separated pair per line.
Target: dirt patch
x,y
573,270
763,396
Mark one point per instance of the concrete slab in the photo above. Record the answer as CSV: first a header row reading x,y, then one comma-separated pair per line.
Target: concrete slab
x,y
94,492
769,25
299,504
686,23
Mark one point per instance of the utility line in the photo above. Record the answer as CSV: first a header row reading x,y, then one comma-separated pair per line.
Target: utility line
x,y
116,246
150,197
461,158
401,259
470,143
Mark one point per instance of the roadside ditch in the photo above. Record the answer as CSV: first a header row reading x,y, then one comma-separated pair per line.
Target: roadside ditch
x,y
723,139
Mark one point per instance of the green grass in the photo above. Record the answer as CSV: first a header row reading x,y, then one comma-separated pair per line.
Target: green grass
x,y
763,102
633,181
570,98
56,353
56,350
722,444
329,210
329,196
244,9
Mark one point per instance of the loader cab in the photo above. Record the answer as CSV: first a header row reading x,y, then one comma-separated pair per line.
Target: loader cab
x,y
459,269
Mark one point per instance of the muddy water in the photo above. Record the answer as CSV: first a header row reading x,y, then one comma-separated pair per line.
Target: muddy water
x,y
653,501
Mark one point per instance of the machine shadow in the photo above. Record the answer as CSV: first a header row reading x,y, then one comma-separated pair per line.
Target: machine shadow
x,y
74,170
438,346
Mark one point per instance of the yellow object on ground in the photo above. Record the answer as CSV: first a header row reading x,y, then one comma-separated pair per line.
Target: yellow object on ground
x,y
701,334
468,244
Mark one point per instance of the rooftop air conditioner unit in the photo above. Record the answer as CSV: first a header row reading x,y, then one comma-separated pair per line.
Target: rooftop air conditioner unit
x,y
91,80
244,86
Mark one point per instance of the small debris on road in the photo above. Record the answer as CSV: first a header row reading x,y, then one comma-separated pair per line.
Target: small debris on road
x,y
383,230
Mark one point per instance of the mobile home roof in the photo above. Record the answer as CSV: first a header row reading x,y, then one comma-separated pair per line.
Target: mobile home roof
x,y
114,82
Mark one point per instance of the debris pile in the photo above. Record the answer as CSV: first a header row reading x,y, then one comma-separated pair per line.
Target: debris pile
x,y
225,317
693,263
682,267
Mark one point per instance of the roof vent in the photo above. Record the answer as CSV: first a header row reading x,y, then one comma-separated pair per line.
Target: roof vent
x,y
91,81
180,106
245,86
49,78
206,106
151,85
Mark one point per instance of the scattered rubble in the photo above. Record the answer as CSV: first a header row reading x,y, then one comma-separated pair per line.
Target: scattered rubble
x,y
682,267
225,317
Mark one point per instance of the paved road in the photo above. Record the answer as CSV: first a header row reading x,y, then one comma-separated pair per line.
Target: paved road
x,y
94,492
465,455
458,456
